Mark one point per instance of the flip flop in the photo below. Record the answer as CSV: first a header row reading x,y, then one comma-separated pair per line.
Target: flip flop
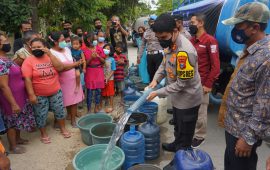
x,y
46,140
66,134
17,150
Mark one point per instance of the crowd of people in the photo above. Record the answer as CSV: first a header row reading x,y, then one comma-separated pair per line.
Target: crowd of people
x,y
51,74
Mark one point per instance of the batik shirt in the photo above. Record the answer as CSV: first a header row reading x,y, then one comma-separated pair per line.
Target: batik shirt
x,y
248,102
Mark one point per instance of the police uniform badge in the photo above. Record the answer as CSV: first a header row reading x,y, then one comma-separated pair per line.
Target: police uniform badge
x,y
184,69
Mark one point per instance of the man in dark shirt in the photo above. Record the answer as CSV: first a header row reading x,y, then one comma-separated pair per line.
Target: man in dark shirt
x,y
117,33
98,26
209,69
18,43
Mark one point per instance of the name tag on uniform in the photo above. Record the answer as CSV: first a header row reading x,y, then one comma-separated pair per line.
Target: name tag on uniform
x,y
184,70
203,46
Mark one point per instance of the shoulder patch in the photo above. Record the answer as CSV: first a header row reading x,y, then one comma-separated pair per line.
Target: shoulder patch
x,y
184,70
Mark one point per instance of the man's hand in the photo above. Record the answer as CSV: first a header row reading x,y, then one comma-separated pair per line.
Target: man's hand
x,y
206,89
153,84
151,96
268,164
242,149
33,99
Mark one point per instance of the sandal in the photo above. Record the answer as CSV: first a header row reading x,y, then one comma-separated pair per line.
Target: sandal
x,y
66,134
46,140
17,150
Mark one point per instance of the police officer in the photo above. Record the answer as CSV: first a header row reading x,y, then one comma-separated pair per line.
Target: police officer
x,y
180,67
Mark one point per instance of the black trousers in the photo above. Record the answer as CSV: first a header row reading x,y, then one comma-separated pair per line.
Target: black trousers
x,y
232,162
184,127
153,62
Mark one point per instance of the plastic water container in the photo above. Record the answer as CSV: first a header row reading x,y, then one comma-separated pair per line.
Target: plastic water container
x,y
129,100
162,109
151,134
192,160
86,122
90,158
133,145
144,167
136,119
150,109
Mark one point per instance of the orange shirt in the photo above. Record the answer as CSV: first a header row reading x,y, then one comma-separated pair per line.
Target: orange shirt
x,y
44,77
2,148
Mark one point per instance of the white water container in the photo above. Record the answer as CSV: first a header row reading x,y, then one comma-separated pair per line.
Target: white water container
x,y
162,109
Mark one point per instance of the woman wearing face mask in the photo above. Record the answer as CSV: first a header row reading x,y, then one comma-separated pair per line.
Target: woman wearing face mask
x,y
101,39
72,95
94,77
25,52
42,82
18,113
143,61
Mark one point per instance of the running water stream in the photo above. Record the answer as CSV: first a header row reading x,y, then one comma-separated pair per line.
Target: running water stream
x,y
121,124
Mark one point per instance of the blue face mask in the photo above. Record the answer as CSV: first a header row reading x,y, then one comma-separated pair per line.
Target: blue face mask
x,y
95,43
239,36
62,44
106,51
101,39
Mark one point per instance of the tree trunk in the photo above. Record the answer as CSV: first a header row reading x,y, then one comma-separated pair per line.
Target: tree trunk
x,y
35,20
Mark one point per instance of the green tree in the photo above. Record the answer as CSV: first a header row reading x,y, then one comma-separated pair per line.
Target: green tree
x,y
164,6
12,13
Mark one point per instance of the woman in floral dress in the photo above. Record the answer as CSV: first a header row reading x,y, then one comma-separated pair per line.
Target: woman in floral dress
x,y
17,112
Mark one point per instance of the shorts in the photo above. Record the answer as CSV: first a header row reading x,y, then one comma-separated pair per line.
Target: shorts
x,y
109,89
120,85
53,103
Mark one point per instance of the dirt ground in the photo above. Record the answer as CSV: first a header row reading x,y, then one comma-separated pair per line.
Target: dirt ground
x,y
57,155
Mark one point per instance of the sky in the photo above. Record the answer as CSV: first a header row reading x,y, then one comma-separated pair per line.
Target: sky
x,y
151,2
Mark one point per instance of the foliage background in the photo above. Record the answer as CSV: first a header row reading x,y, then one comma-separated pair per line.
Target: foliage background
x,y
47,15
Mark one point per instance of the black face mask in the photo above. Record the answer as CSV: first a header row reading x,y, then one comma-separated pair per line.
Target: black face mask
x,y
141,34
80,34
165,43
98,27
193,29
6,48
38,53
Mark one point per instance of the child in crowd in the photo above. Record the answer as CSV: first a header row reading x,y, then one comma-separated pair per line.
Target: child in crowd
x,y
119,74
77,55
109,68
4,161
94,76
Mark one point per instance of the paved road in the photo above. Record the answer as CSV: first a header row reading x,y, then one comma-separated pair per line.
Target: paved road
x,y
215,141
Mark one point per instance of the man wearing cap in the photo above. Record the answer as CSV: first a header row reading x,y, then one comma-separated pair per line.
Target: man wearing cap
x,y
154,50
246,104
180,26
